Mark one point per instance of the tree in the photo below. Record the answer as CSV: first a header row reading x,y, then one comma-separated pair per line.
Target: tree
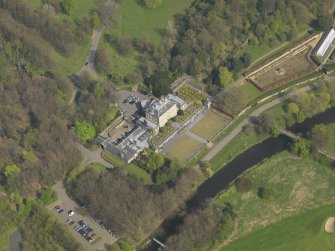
x,y
225,77
153,161
94,20
102,61
301,147
11,169
324,23
67,6
152,4
84,130
319,135
292,108
232,100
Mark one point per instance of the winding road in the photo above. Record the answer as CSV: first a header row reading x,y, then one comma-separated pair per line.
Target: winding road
x,y
238,129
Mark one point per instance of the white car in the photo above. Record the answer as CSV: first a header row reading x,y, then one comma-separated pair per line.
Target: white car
x,y
70,213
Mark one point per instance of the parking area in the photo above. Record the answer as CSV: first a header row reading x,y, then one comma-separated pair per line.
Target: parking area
x,y
91,233
128,101
120,131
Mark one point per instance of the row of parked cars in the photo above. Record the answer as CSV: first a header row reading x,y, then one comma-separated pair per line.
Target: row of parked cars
x,y
103,226
131,99
85,231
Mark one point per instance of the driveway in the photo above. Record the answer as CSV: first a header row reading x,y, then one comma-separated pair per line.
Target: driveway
x,y
92,156
238,129
79,214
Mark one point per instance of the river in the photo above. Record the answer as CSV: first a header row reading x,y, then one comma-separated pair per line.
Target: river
x,y
221,179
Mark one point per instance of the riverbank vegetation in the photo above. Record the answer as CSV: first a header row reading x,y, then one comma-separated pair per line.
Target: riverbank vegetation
x,y
280,187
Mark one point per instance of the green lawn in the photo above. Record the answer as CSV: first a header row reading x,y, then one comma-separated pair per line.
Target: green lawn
x,y
98,167
183,148
135,20
251,91
304,232
209,125
121,66
81,7
297,185
236,146
114,160
136,171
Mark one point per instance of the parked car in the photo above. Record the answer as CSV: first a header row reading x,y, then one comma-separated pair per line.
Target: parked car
x,y
56,207
70,213
61,210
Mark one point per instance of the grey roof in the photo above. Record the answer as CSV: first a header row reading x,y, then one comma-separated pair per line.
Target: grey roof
x,y
176,99
129,146
158,107
326,43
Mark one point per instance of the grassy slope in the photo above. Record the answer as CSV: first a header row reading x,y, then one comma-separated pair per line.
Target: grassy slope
x,y
71,64
304,232
298,185
135,20
239,144
134,170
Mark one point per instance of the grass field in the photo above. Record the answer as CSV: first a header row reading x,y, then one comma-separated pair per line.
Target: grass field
x,y
296,185
81,7
98,167
113,159
251,91
290,67
121,66
136,171
183,148
209,125
304,232
135,20
236,146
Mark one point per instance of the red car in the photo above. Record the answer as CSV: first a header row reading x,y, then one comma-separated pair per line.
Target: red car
x,y
56,207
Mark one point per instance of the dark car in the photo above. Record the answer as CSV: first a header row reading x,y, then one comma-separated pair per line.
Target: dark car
x,y
60,210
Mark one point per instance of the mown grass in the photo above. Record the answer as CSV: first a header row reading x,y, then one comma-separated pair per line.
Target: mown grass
x,y
183,148
111,158
304,232
209,125
80,8
296,185
135,20
251,91
136,171
239,144
121,66
98,167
